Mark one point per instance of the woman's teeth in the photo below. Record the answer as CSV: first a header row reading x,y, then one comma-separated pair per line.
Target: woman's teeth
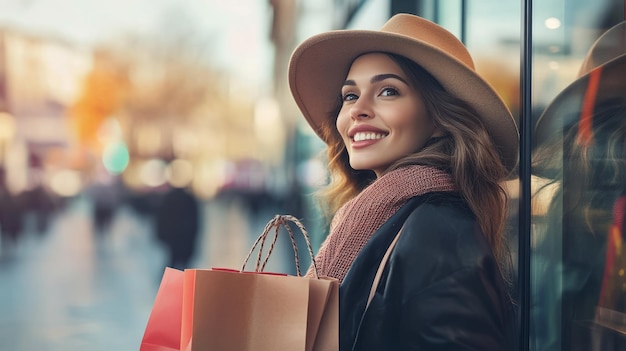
x,y
368,136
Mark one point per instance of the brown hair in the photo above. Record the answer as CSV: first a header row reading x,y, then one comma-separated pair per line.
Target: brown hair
x,y
467,153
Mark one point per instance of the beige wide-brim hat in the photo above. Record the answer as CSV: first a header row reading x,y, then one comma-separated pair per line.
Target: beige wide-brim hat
x,y
320,64
601,79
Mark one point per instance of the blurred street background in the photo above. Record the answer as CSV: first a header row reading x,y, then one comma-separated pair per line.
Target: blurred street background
x,y
139,134
136,135
72,287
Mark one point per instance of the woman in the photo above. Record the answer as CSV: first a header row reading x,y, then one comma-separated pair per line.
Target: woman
x,y
416,139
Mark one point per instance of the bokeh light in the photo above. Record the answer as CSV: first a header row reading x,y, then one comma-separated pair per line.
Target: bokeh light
x,y
115,157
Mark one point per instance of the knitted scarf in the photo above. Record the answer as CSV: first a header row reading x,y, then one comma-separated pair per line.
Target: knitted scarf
x,y
358,219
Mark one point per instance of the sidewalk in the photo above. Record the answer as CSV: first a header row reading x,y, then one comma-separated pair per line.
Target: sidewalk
x,y
68,290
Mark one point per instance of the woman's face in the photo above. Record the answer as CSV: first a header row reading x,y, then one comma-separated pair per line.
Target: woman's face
x,y
383,117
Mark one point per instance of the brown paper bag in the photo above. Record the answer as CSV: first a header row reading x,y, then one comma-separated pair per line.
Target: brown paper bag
x,y
327,338
256,311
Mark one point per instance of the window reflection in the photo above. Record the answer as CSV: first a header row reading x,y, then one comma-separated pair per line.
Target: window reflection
x,y
578,300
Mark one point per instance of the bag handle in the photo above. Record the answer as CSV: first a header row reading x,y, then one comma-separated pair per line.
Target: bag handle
x,y
276,223
381,268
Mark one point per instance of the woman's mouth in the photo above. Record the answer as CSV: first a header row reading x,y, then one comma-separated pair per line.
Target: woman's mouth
x,y
362,136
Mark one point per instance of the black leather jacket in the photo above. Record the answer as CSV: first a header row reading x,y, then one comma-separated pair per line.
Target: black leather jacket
x,y
441,288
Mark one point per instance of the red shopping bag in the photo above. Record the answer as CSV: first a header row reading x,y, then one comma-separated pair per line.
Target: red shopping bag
x,y
245,311
164,324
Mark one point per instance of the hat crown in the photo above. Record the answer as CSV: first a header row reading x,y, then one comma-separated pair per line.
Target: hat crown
x,y
607,47
429,33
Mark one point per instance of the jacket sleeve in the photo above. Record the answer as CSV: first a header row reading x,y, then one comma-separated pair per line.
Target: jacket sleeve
x,y
453,296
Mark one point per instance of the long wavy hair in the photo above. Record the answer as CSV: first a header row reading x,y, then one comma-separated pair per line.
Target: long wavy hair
x,y
467,152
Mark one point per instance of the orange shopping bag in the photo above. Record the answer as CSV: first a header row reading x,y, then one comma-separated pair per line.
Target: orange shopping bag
x,y
163,329
237,310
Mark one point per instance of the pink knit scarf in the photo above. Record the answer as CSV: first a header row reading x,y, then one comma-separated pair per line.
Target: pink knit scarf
x,y
358,219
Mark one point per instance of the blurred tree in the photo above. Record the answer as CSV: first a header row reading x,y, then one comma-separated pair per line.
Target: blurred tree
x,y
102,95
176,86
169,97
154,80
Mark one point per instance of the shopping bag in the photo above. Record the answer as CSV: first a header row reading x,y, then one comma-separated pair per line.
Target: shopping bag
x,y
327,336
239,310
164,324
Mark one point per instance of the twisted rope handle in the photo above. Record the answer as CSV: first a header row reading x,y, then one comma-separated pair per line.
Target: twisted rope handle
x,y
259,268
293,244
276,223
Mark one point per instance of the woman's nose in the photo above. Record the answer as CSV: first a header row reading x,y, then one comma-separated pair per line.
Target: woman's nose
x,y
361,109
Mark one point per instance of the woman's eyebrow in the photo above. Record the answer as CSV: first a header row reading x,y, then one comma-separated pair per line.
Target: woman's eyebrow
x,y
377,78
381,77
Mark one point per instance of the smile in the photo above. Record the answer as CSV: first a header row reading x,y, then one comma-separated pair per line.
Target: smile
x,y
368,136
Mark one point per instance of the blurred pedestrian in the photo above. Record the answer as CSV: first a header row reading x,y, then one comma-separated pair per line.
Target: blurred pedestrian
x,y
105,196
10,216
177,223
41,204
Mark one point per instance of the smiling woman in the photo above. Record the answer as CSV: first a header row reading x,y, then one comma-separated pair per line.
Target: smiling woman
x,y
417,144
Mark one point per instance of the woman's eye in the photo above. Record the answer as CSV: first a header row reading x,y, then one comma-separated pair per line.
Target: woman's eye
x,y
389,92
349,97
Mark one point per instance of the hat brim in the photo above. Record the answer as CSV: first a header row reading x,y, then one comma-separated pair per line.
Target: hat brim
x,y
564,110
319,66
